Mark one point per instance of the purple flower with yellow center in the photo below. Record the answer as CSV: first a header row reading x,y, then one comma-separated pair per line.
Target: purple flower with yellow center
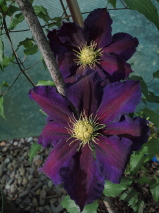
x,y
78,49
91,134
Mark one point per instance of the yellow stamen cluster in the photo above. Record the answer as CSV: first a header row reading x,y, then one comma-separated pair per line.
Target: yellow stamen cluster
x,y
88,55
85,129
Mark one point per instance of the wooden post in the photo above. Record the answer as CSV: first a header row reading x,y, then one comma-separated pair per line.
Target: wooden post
x,y
75,12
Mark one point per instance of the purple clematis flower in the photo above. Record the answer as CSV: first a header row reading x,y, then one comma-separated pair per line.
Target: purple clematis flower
x,y
91,133
77,49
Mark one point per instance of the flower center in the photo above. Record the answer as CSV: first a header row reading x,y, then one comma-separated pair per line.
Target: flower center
x,y
85,129
88,55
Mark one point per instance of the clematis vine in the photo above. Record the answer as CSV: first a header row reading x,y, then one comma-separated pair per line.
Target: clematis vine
x,y
91,133
78,49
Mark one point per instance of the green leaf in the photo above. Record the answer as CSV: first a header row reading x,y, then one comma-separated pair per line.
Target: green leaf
x,y
31,50
4,84
136,162
151,147
146,8
113,3
45,83
131,196
153,116
156,74
28,42
1,53
113,190
15,21
41,12
33,151
152,98
154,188
143,85
71,207
6,61
12,9
1,107
144,180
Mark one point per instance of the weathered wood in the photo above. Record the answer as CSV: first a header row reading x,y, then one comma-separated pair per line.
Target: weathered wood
x,y
42,42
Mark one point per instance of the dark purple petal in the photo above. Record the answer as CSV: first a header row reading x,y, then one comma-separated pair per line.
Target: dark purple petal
x,y
112,154
119,98
84,183
66,64
58,158
86,93
123,44
55,43
136,129
51,102
52,133
71,34
98,27
116,67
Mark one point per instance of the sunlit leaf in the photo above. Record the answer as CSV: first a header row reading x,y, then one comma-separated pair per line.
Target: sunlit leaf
x,y
146,8
45,83
71,207
113,190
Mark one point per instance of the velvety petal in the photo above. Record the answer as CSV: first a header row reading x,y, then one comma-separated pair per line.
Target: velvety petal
x,y
136,129
84,183
55,43
52,133
57,159
66,64
71,34
112,154
51,102
122,44
98,27
86,93
115,66
119,98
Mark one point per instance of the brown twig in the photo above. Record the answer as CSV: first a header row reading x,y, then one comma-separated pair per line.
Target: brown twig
x,y
109,206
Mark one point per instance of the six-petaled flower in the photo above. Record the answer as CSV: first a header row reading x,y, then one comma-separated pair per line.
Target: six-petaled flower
x,y
91,133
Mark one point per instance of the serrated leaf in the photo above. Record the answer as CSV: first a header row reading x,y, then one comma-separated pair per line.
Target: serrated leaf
x,y
41,12
1,107
71,207
15,21
33,151
136,162
113,190
153,116
143,85
131,196
113,3
31,50
146,8
1,53
154,188
156,74
45,83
